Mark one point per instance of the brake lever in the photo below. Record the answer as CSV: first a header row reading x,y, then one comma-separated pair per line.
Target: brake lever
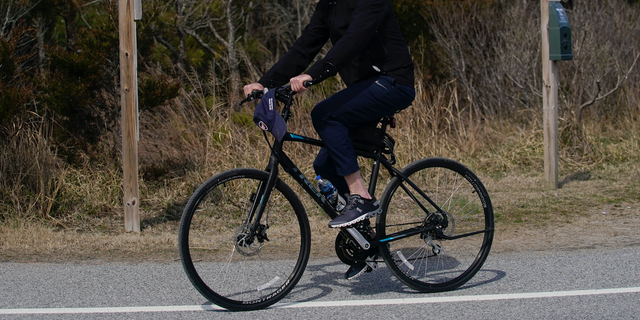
x,y
254,95
257,94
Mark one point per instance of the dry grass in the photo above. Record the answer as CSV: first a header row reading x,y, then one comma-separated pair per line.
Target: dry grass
x,y
87,222
28,167
592,209
487,118
27,241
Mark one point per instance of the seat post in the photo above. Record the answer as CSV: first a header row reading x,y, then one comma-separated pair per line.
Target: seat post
x,y
373,180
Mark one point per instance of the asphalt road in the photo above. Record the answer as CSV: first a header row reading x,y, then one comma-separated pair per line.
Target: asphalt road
x,y
584,284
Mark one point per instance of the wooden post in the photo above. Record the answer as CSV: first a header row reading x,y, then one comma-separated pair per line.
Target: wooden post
x,y
549,102
129,101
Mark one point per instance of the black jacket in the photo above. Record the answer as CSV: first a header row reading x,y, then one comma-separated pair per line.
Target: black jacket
x,y
366,41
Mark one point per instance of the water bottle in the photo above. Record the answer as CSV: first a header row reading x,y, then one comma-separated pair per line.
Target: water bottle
x,y
331,193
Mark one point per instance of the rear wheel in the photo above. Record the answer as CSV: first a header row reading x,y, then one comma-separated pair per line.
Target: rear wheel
x,y
228,263
461,230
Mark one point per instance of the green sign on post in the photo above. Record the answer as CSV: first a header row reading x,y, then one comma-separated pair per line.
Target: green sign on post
x,y
559,33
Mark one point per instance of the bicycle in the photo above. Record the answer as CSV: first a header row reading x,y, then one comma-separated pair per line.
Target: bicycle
x,y
244,236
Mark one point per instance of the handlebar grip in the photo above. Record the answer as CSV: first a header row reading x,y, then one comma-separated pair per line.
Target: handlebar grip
x,y
255,94
308,83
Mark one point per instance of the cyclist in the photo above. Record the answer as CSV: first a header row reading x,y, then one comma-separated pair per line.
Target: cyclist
x,y
373,60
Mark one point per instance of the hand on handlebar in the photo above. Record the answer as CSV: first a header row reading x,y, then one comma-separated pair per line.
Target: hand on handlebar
x,y
253,92
297,83
248,89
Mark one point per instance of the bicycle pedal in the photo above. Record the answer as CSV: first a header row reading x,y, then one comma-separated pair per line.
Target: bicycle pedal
x,y
371,264
356,270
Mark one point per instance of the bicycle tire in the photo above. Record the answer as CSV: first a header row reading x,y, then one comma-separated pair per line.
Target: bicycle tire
x,y
426,262
230,271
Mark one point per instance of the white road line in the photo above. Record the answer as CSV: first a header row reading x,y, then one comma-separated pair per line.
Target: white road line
x,y
319,304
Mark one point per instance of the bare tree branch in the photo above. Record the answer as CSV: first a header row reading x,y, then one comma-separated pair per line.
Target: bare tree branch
x,y
255,73
217,35
11,16
174,52
597,98
200,41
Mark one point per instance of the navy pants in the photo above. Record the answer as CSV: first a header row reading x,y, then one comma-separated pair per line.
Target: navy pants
x,y
363,103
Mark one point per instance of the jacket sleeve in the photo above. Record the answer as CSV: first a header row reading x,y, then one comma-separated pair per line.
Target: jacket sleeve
x,y
366,18
302,53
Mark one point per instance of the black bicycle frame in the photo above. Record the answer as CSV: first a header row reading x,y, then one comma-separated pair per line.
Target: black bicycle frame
x,y
279,158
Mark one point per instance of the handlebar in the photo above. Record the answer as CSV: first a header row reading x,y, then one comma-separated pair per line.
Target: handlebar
x,y
254,95
329,71
286,89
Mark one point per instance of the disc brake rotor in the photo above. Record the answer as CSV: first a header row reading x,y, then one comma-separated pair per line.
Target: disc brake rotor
x,y
451,226
244,244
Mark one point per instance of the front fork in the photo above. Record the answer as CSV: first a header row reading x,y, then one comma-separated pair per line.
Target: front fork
x,y
259,203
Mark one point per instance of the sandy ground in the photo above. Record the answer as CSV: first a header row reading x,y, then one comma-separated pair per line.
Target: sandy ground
x,y
608,226
590,213
612,226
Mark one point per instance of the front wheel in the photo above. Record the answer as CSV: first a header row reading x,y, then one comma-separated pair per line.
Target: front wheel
x,y
233,261
458,229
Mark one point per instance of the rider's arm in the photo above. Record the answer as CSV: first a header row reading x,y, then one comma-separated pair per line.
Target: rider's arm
x,y
304,50
297,83
366,19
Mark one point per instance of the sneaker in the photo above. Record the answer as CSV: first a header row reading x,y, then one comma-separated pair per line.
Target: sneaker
x,y
357,270
357,209
360,268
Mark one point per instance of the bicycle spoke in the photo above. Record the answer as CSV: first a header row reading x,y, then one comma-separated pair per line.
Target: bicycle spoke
x,y
440,257
230,264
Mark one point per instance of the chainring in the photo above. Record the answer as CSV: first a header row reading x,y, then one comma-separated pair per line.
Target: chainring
x,y
348,250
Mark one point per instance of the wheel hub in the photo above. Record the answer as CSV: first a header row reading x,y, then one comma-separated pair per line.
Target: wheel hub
x,y
245,244
444,225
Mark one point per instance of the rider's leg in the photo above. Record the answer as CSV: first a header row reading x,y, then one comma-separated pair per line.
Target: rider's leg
x,y
349,184
334,117
324,166
363,102
356,185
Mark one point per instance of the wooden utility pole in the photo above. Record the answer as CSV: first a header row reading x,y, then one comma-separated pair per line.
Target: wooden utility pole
x,y
549,102
129,101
